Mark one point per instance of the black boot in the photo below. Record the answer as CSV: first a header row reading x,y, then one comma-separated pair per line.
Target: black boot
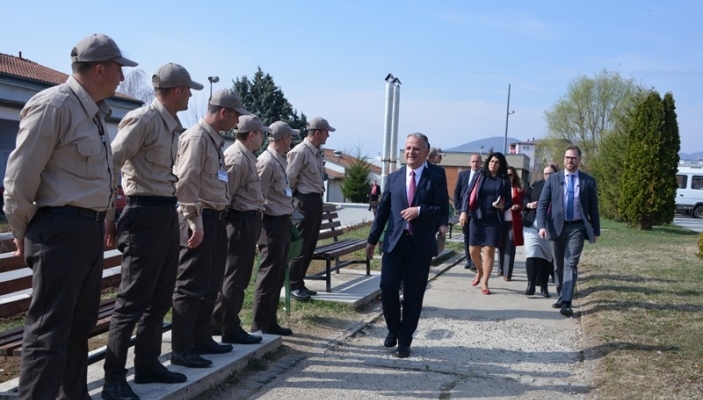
x,y
544,268
531,269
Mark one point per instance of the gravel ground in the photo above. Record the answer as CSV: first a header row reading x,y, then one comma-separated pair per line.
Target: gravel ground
x,y
468,345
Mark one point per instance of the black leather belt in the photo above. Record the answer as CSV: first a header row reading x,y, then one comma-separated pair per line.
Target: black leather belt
x,y
151,201
250,213
277,217
74,211
576,221
215,213
309,194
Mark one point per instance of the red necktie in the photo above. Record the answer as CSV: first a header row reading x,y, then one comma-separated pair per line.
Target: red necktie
x,y
411,194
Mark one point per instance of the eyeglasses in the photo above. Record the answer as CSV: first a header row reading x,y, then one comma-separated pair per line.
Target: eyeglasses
x,y
548,173
570,158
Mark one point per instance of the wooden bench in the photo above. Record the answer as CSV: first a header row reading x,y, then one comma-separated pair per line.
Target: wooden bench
x,y
19,296
331,252
19,291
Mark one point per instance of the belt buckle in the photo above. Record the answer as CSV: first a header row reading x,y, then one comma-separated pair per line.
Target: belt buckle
x,y
223,214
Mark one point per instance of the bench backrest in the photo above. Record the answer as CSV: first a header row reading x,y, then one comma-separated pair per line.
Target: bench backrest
x,y
16,289
331,226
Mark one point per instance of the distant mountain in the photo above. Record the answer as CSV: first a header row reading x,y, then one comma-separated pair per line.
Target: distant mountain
x,y
483,145
691,156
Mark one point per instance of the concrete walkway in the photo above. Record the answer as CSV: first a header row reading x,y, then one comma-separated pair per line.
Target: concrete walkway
x,y
468,345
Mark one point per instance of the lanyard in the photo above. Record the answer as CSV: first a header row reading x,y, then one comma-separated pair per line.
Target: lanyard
x,y
281,164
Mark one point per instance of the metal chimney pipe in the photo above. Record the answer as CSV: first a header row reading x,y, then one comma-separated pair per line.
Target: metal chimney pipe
x,y
385,157
396,113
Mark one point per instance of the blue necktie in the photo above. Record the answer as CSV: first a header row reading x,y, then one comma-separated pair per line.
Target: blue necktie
x,y
570,198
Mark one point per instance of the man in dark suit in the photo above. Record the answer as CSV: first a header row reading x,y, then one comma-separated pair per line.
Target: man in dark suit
x,y
414,202
462,185
567,213
433,160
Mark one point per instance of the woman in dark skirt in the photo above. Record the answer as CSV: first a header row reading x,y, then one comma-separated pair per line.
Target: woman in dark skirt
x,y
538,251
488,196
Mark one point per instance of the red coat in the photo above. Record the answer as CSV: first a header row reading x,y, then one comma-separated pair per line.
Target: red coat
x,y
517,216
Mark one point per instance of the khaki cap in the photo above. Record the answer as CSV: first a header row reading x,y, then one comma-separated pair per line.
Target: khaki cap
x,y
173,75
228,98
280,129
98,47
320,123
251,123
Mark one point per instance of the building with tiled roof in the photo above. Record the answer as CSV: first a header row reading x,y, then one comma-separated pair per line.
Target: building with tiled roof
x,y
20,79
336,165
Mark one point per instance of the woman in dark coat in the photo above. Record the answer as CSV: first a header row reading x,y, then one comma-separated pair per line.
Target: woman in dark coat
x,y
538,251
512,227
487,198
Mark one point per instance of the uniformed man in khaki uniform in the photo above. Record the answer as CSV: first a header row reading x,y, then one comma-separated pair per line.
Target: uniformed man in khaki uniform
x,y
204,199
145,150
243,227
58,189
275,237
305,174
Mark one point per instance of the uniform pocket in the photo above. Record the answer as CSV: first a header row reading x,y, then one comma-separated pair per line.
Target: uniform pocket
x,y
91,159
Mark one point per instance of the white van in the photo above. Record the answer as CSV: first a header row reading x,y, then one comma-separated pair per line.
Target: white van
x,y
689,195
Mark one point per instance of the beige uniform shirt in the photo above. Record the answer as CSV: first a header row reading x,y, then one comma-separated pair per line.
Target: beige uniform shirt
x,y
145,149
200,168
62,156
244,182
305,170
274,183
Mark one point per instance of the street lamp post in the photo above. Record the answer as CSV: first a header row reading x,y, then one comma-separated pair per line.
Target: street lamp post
x,y
212,79
507,115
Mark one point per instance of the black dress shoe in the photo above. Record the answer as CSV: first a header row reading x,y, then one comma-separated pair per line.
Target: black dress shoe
x,y
545,293
119,390
158,375
241,337
278,330
212,347
299,294
557,304
403,351
530,289
189,359
308,291
566,310
391,340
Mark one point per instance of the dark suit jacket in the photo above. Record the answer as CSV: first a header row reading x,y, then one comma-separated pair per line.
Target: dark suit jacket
x,y
441,171
552,200
461,184
503,191
532,194
430,194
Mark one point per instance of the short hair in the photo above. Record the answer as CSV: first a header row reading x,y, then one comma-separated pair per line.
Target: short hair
x,y
574,148
502,171
241,135
82,67
163,91
433,151
420,136
553,166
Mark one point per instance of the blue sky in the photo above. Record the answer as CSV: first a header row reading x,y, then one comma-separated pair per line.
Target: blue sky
x,y
455,59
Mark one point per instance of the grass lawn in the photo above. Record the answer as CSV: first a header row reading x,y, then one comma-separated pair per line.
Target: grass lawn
x,y
642,297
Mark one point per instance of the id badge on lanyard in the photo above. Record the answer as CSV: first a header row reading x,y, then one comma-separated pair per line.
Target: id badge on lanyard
x,y
222,175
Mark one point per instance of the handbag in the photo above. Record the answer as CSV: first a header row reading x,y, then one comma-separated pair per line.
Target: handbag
x,y
473,196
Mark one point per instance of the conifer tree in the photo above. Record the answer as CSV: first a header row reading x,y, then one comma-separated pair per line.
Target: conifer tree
x,y
648,185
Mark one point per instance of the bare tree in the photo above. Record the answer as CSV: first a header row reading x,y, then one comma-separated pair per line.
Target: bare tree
x,y
136,84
